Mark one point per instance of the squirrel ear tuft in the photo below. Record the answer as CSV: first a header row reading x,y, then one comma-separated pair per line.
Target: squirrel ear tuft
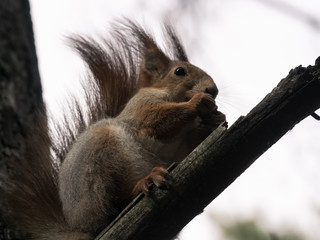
x,y
154,64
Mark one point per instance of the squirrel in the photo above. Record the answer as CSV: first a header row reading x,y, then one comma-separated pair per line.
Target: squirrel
x,y
144,109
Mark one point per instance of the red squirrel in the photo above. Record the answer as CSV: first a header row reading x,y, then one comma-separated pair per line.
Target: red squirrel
x,y
144,109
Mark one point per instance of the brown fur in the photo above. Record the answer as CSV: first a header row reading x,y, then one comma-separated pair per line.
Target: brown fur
x,y
140,116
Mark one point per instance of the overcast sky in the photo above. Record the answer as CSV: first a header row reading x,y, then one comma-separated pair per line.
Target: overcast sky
x,y
247,46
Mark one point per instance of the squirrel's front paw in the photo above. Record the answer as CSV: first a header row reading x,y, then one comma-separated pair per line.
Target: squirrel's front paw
x,y
156,176
204,104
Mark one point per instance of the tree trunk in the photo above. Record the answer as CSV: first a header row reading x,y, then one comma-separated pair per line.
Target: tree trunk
x,y
20,87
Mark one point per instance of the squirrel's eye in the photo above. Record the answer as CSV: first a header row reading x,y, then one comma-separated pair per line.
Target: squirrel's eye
x,y
180,71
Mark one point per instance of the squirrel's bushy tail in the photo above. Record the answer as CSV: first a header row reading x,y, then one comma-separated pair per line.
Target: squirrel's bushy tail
x,y
30,193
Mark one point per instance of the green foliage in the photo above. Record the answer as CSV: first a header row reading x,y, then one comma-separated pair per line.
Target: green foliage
x,y
249,230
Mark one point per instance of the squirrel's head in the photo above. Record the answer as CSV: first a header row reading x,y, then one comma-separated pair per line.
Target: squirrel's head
x,y
114,67
181,79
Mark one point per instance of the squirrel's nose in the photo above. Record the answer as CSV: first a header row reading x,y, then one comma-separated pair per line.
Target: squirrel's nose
x,y
212,91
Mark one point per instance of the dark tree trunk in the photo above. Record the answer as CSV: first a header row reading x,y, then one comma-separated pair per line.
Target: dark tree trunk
x,y
20,88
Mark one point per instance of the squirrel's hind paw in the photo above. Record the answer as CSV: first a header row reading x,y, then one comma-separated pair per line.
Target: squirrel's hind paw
x,y
156,176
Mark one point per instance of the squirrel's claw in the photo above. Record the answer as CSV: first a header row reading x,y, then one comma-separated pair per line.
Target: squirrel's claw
x,y
156,176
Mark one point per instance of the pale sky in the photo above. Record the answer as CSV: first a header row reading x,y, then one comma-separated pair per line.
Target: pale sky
x,y
247,46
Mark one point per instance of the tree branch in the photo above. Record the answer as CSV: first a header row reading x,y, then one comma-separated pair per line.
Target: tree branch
x,y
218,161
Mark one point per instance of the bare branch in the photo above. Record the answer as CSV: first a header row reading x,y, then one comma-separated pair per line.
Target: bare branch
x,y
218,161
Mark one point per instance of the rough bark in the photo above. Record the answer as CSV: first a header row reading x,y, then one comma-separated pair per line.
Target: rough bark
x,y
218,161
20,88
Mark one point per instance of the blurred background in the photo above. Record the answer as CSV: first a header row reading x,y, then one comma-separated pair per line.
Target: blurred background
x,y
247,46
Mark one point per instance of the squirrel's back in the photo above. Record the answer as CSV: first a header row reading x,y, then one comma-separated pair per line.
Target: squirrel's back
x,y
96,188
30,193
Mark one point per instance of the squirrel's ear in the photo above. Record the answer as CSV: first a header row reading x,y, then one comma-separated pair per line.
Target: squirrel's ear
x,y
155,63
